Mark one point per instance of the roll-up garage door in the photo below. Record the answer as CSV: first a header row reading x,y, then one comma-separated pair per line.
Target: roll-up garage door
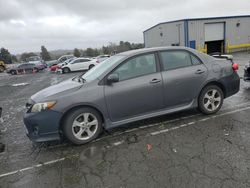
x,y
214,32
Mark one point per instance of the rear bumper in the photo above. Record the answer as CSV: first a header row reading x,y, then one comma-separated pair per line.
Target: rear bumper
x,y
42,126
231,84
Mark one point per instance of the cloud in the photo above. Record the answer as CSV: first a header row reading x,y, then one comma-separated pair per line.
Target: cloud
x,y
62,24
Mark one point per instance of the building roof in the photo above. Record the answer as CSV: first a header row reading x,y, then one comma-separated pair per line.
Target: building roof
x,y
193,19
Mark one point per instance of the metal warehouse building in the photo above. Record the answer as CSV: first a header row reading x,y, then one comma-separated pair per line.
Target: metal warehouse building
x,y
209,35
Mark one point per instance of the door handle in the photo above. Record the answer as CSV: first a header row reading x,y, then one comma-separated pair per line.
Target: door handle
x,y
155,80
199,71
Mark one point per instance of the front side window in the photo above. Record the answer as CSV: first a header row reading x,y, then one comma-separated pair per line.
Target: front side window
x,y
76,61
138,66
84,60
175,59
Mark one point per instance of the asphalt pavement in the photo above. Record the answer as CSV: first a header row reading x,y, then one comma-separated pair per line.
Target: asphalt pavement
x,y
185,149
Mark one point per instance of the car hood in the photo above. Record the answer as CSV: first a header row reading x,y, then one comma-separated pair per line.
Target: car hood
x,y
63,87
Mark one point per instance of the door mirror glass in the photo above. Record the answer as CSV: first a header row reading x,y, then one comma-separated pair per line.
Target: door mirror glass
x,y
113,78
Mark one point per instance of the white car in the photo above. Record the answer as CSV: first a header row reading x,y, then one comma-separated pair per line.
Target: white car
x,y
79,64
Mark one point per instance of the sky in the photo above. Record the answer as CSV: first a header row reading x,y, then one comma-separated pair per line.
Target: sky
x,y
25,25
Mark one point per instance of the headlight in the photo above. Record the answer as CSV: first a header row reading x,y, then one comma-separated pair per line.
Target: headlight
x,y
38,107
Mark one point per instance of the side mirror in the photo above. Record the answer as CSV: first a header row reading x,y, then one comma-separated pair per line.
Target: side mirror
x,y
112,78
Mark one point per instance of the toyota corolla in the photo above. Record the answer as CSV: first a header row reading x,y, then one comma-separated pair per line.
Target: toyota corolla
x,y
128,87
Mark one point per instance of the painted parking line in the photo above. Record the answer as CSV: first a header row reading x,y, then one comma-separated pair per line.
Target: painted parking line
x,y
201,120
36,166
123,141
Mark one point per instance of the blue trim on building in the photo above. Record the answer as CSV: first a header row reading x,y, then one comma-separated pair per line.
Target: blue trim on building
x,y
193,19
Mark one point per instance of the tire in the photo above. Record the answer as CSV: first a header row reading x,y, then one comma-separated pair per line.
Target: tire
x,y
210,99
91,66
66,70
36,69
76,129
13,72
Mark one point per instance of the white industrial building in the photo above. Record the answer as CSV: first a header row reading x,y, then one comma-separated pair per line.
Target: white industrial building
x,y
209,35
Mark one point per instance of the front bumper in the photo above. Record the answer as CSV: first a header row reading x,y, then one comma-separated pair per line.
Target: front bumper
x,y
42,126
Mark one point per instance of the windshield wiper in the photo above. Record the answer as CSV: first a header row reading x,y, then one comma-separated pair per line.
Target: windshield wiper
x,y
80,79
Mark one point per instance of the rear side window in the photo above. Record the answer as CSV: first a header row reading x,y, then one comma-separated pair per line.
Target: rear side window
x,y
195,60
175,59
138,66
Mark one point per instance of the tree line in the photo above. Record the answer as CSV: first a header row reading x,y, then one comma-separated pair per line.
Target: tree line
x,y
111,48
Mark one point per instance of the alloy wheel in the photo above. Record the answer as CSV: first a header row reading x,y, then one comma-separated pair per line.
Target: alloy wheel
x,y
212,100
85,126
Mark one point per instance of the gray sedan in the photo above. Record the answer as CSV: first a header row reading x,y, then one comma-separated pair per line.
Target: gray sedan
x,y
128,87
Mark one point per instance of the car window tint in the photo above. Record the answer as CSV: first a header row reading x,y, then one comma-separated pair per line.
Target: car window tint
x,y
195,60
22,66
175,59
85,60
76,61
138,66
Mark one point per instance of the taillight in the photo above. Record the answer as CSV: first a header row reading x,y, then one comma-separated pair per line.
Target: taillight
x,y
235,66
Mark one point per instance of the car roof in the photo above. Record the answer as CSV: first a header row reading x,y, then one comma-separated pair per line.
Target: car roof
x,y
145,50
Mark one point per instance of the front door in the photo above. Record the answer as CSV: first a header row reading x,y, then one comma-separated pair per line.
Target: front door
x,y
138,91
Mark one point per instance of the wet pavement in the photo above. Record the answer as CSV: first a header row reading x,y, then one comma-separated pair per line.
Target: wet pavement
x,y
185,149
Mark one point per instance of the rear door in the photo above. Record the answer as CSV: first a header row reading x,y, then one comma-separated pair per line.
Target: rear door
x,y
139,90
79,64
84,64
183,77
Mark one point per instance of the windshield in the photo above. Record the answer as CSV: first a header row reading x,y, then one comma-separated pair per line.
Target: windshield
x,y
97,71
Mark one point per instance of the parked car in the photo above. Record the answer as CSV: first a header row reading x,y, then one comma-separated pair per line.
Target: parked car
x,y
101,58
247,72
223,56
64,58
40,64
128,87
23,68
55,68
79,64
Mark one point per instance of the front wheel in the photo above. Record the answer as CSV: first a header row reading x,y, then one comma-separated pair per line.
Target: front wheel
x,y
210,99
91,66
66,70
82,125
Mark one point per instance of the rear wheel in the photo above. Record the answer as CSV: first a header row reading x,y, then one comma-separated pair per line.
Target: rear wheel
x,y
91,66
210,99
66,70
82,125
